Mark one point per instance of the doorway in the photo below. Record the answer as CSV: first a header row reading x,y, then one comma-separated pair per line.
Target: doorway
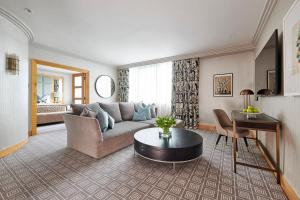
x,y
80,87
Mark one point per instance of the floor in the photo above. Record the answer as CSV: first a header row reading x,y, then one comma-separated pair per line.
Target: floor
x,y
46,169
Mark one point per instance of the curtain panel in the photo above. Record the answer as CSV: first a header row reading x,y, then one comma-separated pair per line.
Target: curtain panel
x,y
185,88
123,81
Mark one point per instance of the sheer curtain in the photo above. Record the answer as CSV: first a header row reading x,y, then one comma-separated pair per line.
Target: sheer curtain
x,y
152,84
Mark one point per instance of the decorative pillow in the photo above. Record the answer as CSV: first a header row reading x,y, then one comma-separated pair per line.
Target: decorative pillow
x,y
152,110
138,106
111,122
77,108
127,110
102,116
146,112
113,110
88,113
139,116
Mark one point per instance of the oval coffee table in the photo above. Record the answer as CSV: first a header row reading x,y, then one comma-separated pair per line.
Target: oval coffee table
x,y
183,146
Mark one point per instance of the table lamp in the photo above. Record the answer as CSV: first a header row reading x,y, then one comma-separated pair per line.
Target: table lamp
x,y
246,93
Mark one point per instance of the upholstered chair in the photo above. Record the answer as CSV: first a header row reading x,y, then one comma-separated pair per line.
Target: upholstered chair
x,y
225,127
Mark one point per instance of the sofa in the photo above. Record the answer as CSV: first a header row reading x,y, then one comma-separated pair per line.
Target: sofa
x,y
47,114
84,133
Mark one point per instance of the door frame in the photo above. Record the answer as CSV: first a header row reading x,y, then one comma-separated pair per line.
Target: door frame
x,y
34,63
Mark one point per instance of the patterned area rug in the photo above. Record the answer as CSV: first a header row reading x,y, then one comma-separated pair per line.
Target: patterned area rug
x,y
46,169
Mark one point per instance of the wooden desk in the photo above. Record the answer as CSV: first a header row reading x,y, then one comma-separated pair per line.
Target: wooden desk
x,y
262,122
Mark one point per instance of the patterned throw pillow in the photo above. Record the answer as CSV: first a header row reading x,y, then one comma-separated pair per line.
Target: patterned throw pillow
x,y
88,113
139,116
102,116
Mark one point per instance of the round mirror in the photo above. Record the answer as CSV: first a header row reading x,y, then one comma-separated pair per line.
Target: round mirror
x,y
105,86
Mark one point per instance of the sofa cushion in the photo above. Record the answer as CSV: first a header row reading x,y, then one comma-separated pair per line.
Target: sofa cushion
x,y
125,127
77,108
113,110
127,110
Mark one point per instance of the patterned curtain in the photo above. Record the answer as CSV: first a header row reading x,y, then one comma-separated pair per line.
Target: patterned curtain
x,y
185,91
123,80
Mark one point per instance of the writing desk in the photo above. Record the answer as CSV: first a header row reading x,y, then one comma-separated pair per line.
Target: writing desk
x,y
262,122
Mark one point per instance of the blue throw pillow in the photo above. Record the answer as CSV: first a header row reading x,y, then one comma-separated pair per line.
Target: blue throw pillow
x,y
146,111
102,116
111,122
139,116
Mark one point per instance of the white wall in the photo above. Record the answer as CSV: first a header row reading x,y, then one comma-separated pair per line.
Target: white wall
x,y
241,65
38,52
67,83
13,88
286,109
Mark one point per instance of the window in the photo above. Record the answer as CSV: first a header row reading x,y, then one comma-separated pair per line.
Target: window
x,y
152,84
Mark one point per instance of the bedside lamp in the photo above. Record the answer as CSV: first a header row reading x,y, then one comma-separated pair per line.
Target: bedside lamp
x,y
246,93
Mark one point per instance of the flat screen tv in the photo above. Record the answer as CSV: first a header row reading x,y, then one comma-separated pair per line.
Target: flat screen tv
x,y
268,68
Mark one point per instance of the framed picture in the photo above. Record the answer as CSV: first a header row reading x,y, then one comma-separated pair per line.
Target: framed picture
x,y
271,80
291,47
223,85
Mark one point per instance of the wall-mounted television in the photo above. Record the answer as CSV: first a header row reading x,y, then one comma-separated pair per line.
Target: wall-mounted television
x,y
268,68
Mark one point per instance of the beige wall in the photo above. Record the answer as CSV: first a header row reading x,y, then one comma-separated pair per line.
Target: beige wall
x,y
286,109
13,88
241,65
96,69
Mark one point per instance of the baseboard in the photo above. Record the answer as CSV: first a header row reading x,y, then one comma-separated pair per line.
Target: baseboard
x,y
288,190
207,127
11,149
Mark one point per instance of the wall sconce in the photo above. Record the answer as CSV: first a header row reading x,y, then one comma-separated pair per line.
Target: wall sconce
x,y
12,64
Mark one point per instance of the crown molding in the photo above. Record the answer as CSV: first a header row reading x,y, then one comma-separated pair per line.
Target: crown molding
x,y
268,9
205,54
18,23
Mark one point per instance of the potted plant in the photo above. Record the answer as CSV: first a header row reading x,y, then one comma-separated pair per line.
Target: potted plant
x,y
165,123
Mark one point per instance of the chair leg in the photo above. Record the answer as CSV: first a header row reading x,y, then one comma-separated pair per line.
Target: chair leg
x,y
234,144
226,138
219,137
246,143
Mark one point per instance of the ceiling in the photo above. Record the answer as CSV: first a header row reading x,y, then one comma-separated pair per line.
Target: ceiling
x,y
118,32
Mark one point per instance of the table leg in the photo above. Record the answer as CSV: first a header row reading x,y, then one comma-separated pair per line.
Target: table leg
x,y
234,146
278,152
256,137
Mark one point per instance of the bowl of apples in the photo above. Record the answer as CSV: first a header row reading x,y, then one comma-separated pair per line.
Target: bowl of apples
x,y
251,112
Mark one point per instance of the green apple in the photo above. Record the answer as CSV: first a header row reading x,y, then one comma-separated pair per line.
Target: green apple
x,y
244,110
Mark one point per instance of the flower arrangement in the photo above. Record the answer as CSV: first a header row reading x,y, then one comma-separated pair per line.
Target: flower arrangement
x,y
165,123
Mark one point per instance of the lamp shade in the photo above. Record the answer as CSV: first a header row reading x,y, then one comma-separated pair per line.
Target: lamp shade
x,y
264,92
246,92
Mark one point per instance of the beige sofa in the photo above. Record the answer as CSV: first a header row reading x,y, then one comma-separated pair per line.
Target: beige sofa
x,y
47,114
84,134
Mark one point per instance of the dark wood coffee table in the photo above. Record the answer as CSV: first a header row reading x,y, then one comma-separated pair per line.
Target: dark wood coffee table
x,y
183,146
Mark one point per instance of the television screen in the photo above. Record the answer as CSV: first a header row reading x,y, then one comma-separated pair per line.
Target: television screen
x,y
267,68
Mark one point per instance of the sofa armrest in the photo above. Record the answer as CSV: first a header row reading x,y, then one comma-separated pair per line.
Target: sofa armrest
x,y
83,133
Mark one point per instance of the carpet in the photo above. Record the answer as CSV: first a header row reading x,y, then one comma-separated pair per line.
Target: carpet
x,y
45,169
